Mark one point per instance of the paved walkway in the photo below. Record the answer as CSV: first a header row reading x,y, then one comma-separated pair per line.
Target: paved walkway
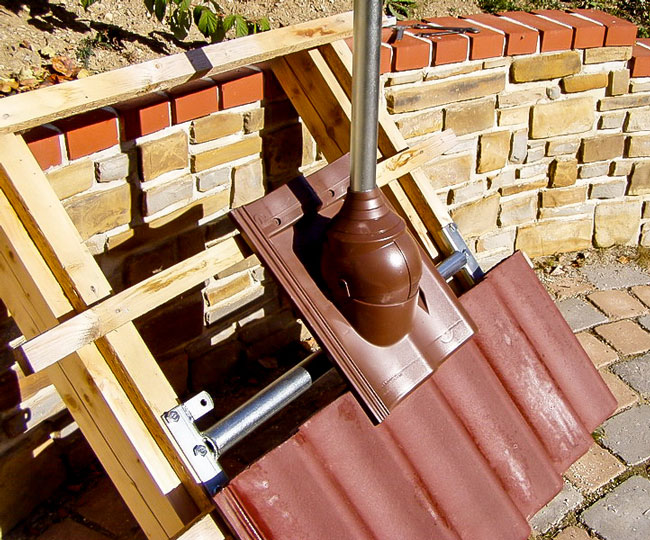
x,y
606,493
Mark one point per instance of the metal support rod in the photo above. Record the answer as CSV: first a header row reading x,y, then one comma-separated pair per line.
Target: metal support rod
x,y
452,264
365,94
266,403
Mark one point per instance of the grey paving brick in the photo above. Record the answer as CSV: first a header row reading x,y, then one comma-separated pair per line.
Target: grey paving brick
x,y
624,514
628,435
615,276
580,314
645,321
555,511
636,373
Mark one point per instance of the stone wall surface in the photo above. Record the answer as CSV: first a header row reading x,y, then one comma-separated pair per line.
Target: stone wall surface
x,y
553,121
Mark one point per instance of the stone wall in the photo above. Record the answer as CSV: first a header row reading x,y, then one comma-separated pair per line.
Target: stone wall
x,y
553,116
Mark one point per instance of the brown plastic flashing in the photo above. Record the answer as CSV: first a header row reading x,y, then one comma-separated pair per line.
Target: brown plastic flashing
x,y
287,230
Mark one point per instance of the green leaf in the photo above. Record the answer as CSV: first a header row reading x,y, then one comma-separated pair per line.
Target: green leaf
x,y
87,3
160,6
149,5
180,22
207,21
241,26
228,21
263,24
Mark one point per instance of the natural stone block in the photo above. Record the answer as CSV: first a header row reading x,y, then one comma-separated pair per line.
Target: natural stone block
x,y
535,154
600,55
562,117
72,179
616,223
638,146
248,183
554,236
477,218
570,211
492,63
521,97
207,180
503,239
532,170
493,151
563,172
503,178
487,260
610,189
163,155
623,102
424,96
444,72
519,147
227,287
562,146
619,82
639,86
218,156
531,185
638,120
593,170
466,193
421,123
215,126
101,210
545,66
309,150
513,117
612,120
602,148
640,179
621,167
518,210
112,168
254,120
584,82
470,117
407,77
161,196
553,198
448,171
645,235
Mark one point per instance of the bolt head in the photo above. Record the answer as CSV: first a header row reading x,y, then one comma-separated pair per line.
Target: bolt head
x,y
200,450
173,416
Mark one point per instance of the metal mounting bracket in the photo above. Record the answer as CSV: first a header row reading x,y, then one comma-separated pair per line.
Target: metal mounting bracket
x,y
455,242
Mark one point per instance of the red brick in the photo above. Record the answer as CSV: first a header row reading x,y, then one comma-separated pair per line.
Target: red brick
x,y
143,116
519,38
90,132
619,32
485,44
447,49
554,37
44,143
410,53
244,86
193,100
640,62
586,34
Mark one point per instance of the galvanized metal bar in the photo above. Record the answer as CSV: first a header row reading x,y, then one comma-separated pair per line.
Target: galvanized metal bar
x,y
452,264
365,94
471,272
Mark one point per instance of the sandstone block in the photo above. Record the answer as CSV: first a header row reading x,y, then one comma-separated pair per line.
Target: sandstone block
x,y
535,154
72,179
545,66
207,180
553,198
407,77
462,194
218,156
503,239
448,171
163,155
514,116
554,236
570,211
621,167
421,123
623,102
599,55
562,146
521,97
519,146
640,179
100,211
645,235
562,117
477,218
161,196
619,82
444,71
612,121
616,223
638,120
530,171
638,146
530,185
602,147
470,117
584,82
248,183
254,120
215,126
518,210
225,288
563,172
429,95
503,178
493,151
593,170
112,168
639,86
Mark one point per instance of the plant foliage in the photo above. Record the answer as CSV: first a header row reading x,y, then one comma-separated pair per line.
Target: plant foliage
x,y
401,9
207,15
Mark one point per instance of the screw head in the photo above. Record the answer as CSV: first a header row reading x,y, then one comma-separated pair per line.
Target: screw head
x,y
173,416
200,450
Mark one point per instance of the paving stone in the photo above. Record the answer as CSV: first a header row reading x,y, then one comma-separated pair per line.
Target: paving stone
x,y
625,396
555,511
601,354
70,530
593,470
628,435
645,321
642,292
622,514
617,304
626,336
615,276
573,533
636,373
580,314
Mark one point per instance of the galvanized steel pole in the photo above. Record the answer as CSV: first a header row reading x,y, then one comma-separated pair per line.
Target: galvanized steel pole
x,y
365,94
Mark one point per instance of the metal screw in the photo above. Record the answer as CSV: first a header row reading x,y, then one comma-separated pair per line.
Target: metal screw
x,y
200,450
173,416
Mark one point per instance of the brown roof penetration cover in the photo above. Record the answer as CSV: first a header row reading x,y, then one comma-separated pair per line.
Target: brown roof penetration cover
x,y
469,455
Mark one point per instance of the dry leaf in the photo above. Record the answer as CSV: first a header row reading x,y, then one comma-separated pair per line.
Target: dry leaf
x,y
623,259
65,66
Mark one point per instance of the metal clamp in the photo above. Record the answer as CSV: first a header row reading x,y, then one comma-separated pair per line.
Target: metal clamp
x,y
454,242
399,30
